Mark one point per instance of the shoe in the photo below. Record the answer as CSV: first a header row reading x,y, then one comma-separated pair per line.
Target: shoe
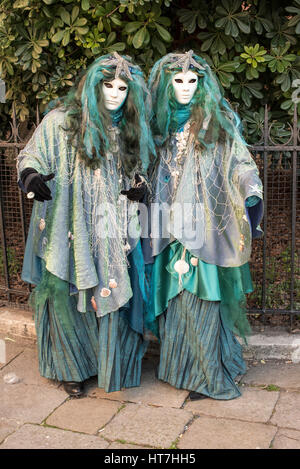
x,y
73,388
196,396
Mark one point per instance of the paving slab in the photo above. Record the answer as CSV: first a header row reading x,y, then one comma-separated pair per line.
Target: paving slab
x,y
286,439
85,415
28,403
117,445
284,375
254,406
287,410
40,437
215,433
18,322
26,367
8,426
146,425
9,349
151,391
274,344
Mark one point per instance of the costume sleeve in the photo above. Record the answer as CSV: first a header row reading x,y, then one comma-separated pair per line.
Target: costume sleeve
x,y
245,177
39,151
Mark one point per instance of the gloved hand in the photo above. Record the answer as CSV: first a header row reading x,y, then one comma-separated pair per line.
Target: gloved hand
x,y
137,192
35,182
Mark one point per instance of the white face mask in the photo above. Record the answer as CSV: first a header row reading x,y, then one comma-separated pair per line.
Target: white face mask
x,y
115,92
185,85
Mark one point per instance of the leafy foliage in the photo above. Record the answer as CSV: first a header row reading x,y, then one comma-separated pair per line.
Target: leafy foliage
x,y
252,46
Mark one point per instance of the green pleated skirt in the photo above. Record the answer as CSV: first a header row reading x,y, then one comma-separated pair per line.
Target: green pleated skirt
x,y
67,341
74,346
121,350
198,352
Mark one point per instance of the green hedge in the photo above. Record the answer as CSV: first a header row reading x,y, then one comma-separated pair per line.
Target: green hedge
x,y
253,46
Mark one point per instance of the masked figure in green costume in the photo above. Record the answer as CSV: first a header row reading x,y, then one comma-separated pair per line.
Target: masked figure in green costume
x,y
84,167
206,208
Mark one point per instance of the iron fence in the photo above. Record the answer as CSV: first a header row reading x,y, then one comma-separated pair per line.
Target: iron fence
x,y
275,264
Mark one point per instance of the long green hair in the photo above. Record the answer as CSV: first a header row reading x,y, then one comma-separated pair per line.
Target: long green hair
x,y
211,113
88,120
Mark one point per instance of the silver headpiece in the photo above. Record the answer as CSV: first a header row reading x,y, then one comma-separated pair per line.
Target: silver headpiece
x,y
185,61
121,64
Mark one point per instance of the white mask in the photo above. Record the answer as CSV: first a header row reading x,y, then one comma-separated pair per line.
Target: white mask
x,y
185,85
115,92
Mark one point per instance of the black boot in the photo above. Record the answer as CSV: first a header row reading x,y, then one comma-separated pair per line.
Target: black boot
x,y
196,396
73,388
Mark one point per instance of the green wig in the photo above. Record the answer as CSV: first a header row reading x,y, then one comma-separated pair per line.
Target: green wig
x,y
88,120
211,113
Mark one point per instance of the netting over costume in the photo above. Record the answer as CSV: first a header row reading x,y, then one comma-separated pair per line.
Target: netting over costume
x,y
203,178
107,213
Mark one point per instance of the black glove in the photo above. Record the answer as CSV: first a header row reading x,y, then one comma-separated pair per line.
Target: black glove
x,y
35,182
136,193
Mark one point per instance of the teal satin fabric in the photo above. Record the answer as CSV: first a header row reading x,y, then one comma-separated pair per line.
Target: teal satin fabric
x,y
207,281
198,352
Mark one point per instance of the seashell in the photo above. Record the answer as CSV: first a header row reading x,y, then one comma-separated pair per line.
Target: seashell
x,y
181,267
42,224
97,173
194,261
105,292
112,283
94,304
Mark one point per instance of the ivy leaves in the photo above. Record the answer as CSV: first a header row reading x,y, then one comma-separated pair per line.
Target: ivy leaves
x,y
295,20
252,46
231,20
242,89
30,49
152,26
71,24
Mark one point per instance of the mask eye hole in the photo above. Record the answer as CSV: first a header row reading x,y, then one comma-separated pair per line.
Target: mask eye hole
x,y
178,80
192,80
107,84
123,88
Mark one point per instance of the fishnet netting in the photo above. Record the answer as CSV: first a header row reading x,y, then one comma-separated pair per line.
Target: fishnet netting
x,y
108,214
197,177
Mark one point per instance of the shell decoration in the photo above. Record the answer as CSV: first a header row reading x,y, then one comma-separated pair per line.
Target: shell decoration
x,y
94,304
105,292
42,224
112,283
242,243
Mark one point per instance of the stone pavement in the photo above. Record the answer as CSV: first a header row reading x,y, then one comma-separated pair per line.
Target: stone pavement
x,y
36,413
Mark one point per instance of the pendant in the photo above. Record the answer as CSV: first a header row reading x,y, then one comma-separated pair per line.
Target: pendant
x,y
194,261
181,267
